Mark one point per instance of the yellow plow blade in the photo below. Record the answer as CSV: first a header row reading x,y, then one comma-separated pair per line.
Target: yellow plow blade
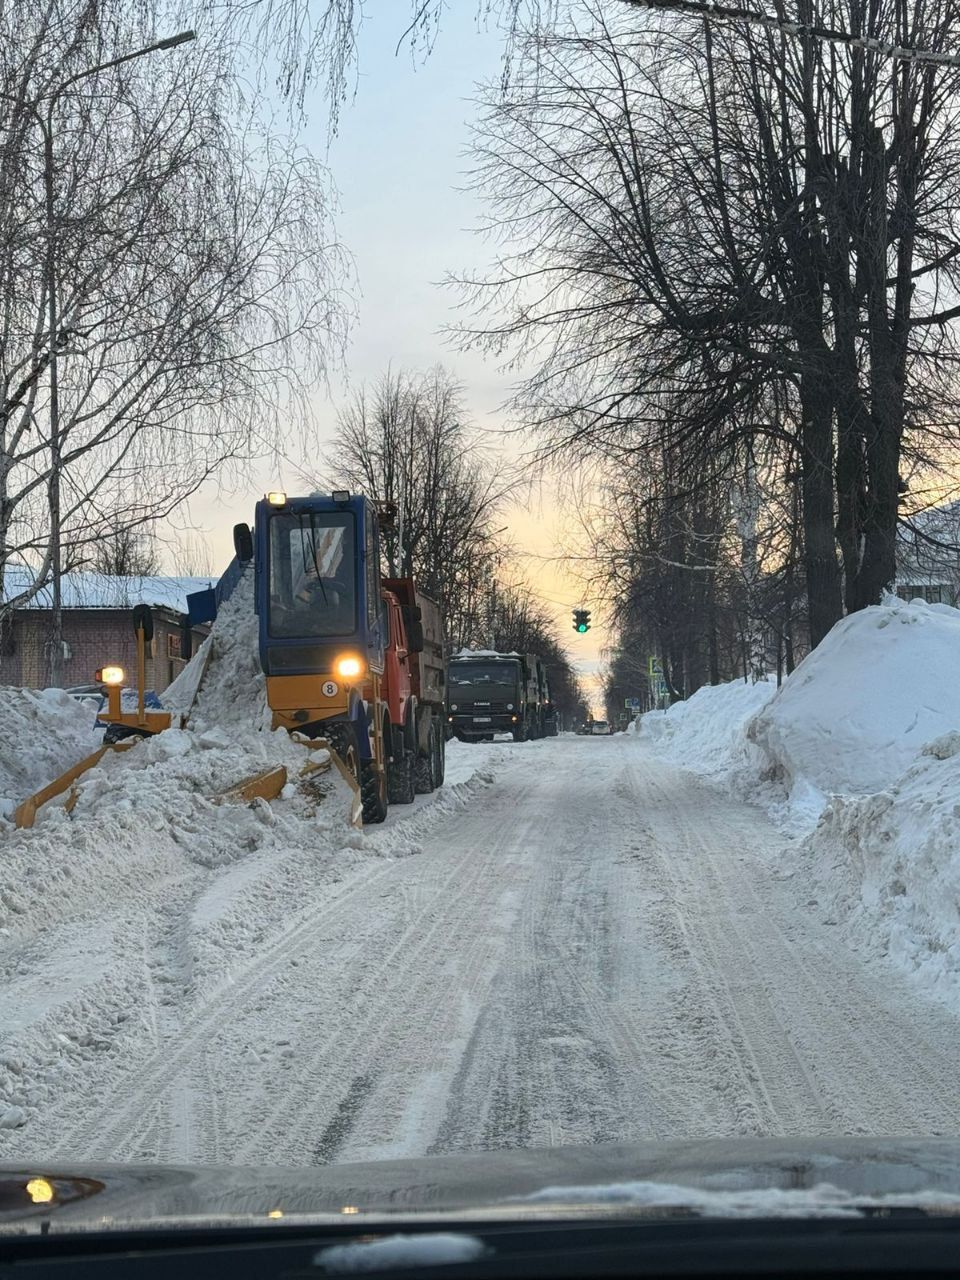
x,y
25,814
268,784
314,767
265,785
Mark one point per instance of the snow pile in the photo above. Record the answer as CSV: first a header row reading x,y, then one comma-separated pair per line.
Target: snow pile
x,y
887,867
226,671
44,733
708,733
856,712
160,886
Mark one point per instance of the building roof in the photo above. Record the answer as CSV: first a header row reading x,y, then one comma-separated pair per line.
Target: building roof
x,y
104,591
928,546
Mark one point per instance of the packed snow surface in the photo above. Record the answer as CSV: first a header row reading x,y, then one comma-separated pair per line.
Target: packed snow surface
x,y
572,942
863,741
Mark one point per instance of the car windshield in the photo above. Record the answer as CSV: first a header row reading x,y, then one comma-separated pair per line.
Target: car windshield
x,y
393,395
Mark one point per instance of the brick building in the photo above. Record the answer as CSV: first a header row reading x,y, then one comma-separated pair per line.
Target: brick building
x,y
97,628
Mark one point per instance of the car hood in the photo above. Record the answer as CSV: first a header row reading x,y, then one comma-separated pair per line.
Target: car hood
x,y
740,1177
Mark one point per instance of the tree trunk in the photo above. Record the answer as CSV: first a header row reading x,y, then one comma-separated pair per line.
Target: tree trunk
x,y
816,460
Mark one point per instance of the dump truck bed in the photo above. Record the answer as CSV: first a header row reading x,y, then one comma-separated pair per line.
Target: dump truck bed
x,y
427,672
431,665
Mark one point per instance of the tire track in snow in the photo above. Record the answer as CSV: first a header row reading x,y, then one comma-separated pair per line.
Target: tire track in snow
x,y
120,1123
596,947
824,1047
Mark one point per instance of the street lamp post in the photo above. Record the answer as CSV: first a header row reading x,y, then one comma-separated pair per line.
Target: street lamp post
x,y
46,125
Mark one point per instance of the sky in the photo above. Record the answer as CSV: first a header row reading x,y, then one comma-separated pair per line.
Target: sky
x,y
399,164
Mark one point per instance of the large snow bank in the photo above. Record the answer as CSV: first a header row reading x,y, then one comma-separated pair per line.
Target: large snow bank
x,y
864,741
856,711
708,732
44,733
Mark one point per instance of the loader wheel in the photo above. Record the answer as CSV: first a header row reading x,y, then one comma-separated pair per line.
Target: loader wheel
x,y
120,732
342,736
373,793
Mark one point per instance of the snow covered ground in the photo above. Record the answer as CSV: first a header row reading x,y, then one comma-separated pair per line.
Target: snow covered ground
x,y
860,753
573,941
155,890
578,943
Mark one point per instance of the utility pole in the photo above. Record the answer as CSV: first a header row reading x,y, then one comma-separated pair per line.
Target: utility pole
x,y
45,120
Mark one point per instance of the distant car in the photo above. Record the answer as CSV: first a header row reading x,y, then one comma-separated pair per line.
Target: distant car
x,y
600,728
92,693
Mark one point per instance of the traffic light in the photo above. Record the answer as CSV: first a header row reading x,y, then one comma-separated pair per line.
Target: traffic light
x,y
581,620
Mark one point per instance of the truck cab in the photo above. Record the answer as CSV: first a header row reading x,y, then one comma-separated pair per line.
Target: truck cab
x,y
488,693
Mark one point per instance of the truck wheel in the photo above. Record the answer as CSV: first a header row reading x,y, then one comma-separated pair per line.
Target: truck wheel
x,y
520,734
402,778
441,760
426,772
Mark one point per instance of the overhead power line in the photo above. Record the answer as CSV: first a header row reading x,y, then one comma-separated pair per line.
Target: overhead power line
x,y
736,13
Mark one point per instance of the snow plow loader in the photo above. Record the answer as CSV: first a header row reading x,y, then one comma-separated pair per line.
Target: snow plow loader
x,y
353,662
349,656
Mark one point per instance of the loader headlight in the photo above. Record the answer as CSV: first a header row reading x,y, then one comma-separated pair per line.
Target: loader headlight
x,y
348,666
277,498
110,675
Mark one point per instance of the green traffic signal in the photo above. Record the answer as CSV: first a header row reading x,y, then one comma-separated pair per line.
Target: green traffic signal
x,y
582,626
581,620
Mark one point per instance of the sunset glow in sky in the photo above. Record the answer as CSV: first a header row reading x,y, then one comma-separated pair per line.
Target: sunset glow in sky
x,y
397,161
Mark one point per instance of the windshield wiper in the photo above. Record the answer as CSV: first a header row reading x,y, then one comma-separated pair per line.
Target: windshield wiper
x,y
313,549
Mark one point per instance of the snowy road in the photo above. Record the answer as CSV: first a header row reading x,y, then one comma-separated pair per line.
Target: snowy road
x,y
592,947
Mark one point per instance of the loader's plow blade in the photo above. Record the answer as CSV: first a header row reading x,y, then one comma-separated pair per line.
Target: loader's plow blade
x,y
265,785
314,767
268,784
25,814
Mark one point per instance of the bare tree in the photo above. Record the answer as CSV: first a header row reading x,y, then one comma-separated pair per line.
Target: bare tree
x,y
191,555
719,242
198,279
125,552
407,443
